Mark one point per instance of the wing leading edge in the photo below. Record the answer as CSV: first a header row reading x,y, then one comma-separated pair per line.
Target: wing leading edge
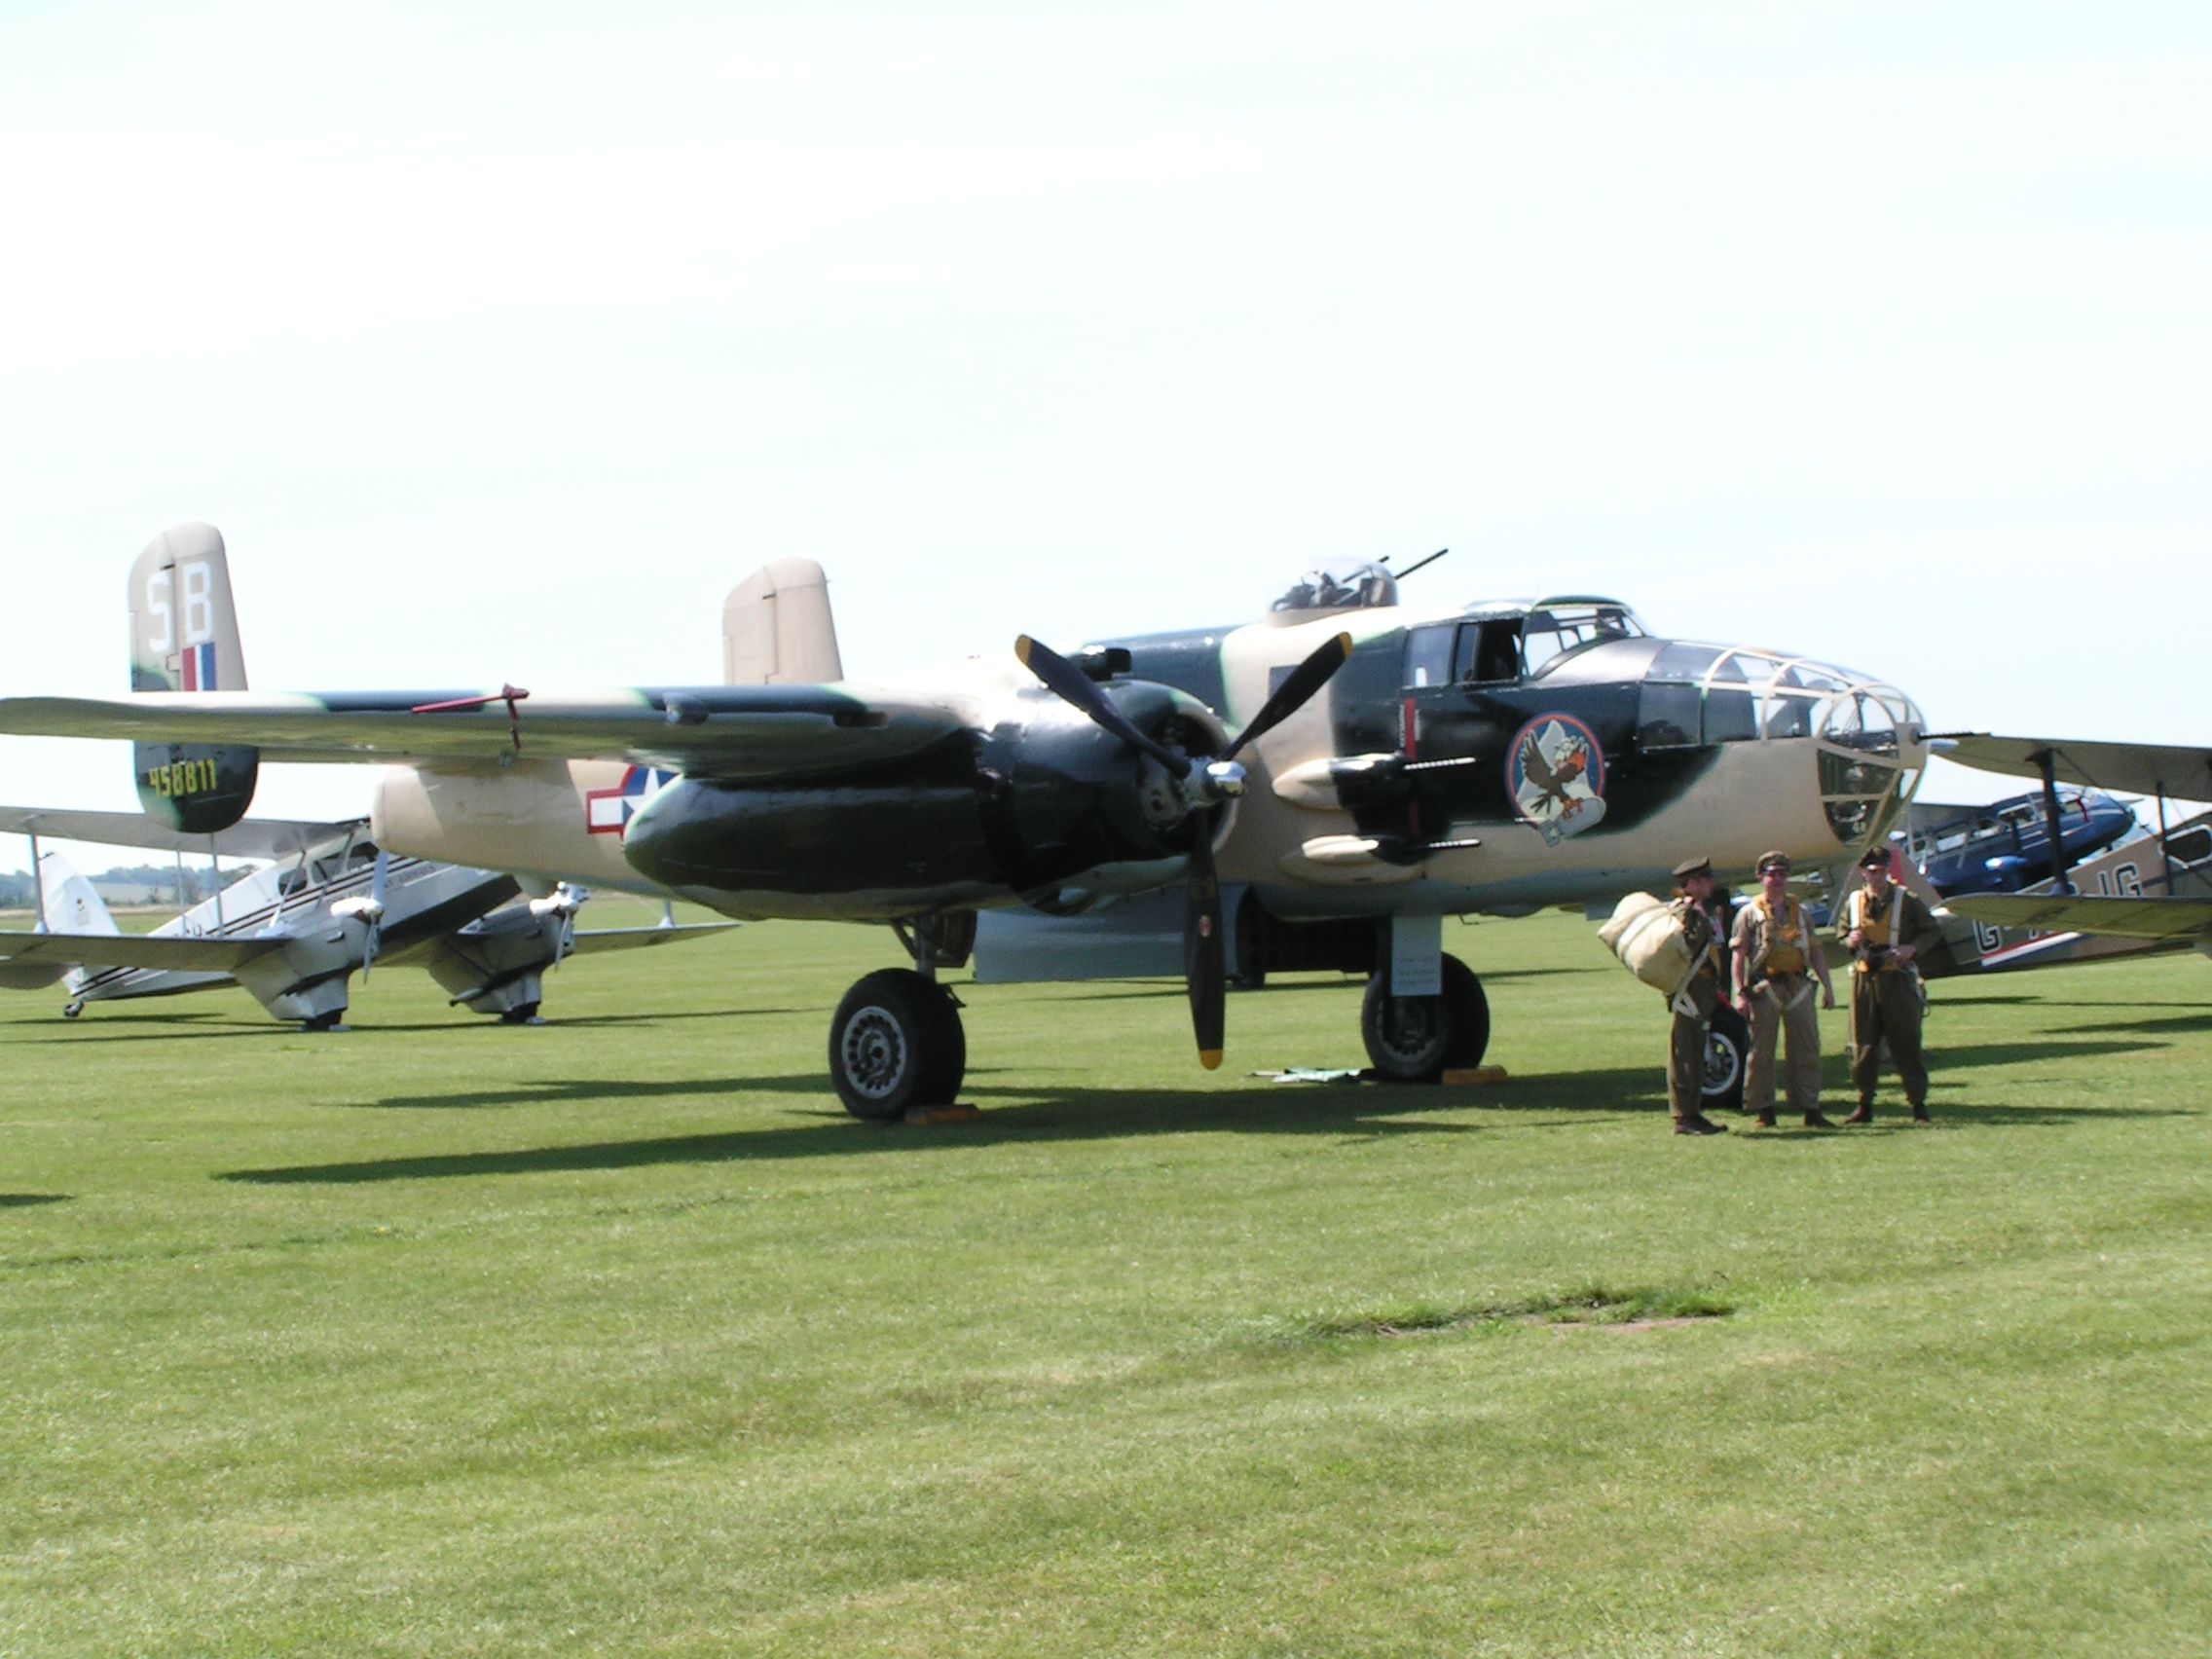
x,y
140,950
712,731
2137,768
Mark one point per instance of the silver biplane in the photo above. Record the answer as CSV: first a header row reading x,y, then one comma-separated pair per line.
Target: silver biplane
x,y
294,931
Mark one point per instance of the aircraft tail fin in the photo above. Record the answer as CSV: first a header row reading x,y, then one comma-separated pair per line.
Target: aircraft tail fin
x,y
184,637
73,904
777,629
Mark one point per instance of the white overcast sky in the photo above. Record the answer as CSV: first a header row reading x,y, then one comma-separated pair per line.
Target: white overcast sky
x,y
501,340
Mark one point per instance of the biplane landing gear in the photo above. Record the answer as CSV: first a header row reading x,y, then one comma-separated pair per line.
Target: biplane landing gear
x,y
70,1010
897,1042
1416,1039
1727,1045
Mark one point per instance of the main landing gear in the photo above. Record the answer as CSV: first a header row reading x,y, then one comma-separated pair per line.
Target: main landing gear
x,y
1417,1039
896,1040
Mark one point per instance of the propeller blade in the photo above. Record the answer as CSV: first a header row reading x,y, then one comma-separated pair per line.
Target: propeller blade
x,y
1204,972
1072,686
375,939
1300,683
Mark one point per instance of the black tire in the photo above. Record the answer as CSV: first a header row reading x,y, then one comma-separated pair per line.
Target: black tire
x,y
897,1042
1416,1039
1727,1048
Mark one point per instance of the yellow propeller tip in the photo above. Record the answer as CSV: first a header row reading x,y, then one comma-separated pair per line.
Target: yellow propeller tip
x,y
1022,646
1210,1058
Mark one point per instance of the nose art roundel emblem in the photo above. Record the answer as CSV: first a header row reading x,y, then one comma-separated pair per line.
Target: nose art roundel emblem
x,y
1555,770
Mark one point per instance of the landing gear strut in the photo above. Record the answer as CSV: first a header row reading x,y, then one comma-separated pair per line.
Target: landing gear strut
x,y
1416,1039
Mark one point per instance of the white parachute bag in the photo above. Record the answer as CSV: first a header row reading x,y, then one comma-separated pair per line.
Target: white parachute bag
x,y
1647,937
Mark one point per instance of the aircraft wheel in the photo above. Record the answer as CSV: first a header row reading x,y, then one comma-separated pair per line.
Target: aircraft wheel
x,y
1727,1045
70,1010
897,1042
522,1014
1415,1039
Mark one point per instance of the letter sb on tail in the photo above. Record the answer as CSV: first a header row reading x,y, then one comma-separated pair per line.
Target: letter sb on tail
x,y
184,637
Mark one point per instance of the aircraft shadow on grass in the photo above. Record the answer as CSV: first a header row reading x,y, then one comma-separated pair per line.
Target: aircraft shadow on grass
x,y
1343,1112
24,1200
162,1028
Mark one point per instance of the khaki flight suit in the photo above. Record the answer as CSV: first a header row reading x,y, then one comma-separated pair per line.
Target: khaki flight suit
x,y
1686,1046
1778,954
1885,998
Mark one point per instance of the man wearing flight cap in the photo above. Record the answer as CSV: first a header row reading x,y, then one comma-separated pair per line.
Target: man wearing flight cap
x,y
1694,1003
1776,958
1887,930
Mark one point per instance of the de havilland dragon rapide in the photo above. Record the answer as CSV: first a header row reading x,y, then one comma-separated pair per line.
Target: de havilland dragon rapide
x,y
1317,789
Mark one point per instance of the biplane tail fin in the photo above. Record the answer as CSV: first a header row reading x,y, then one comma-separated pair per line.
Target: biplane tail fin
x,y
72,904
184,637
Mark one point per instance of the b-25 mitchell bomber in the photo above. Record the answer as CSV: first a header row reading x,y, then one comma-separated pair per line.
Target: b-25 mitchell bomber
x,y
1391,765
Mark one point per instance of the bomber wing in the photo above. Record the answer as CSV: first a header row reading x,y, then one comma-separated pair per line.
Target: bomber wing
x,y
2169,920
2139,768
248,838
714,731
140,950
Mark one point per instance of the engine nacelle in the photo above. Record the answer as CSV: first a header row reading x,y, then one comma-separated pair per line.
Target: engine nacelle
x,y
1039,803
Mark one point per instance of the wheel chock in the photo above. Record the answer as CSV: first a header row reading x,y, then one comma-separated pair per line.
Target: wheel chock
x,y
959,1111
1467,1077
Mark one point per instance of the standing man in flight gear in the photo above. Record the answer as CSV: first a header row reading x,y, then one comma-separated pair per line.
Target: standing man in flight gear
x,y
1776,958
1694,1003
1886,929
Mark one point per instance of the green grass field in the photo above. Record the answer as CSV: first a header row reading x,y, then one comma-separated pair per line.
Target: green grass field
x,y
620,1335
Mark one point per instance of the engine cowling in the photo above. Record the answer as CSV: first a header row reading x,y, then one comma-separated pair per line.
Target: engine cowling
x,y
1036,802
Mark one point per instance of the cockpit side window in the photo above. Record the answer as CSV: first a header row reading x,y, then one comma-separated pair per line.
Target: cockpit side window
x,y
1488,652
1428,655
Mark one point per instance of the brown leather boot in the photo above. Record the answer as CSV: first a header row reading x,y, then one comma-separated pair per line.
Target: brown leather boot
x,y
1864,1113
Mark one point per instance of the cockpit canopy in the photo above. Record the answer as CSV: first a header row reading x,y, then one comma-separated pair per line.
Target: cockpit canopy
x,y
1493,644
1344,586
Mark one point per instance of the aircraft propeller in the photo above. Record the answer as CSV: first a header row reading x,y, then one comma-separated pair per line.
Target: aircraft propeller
x,y
566,900
369,910
1208,784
